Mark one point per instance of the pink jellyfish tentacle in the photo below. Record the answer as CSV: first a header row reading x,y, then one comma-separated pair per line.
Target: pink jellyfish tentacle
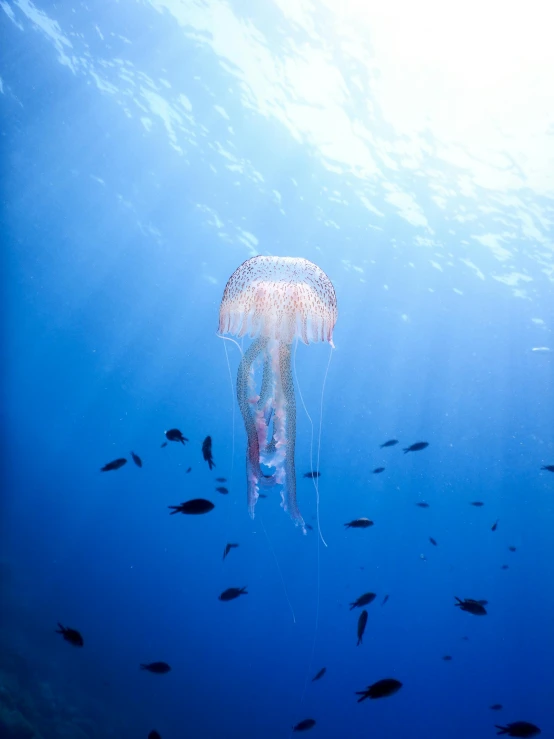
x,y
265,405
263,415
272,453
285,432
254,474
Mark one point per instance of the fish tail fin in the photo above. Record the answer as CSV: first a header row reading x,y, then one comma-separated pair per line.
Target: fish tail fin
x,y
175,509
359,641
363,695
143,667
61,629
503,729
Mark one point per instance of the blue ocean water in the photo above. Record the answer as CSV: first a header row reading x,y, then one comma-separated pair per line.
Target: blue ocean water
x,y
150,148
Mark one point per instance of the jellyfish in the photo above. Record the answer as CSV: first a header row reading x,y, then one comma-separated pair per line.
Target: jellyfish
x,y
274,300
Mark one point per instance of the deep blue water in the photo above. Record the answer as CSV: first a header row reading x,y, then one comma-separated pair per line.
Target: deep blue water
x,y
150,148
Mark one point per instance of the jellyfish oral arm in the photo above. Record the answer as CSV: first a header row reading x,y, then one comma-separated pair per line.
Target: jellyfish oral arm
x,y
285,433
275,403
253,471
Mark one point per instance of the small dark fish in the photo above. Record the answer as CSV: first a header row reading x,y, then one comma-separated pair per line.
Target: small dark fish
x,y
312,474
308,723
175,435
548,467
262,495
433,542
319,674
496,707
309,526
115,465
232,593
362,622
417,447
519,728
188,470
363,600
221,479
512,549
495,525
196,505
505,567
359,523
423,505
477,503
207,452
465,638
378,470
471,606
162,445
71,635
390,442
385,599
228,549
380,689
158,668
222,490
154,735
447,658
136,459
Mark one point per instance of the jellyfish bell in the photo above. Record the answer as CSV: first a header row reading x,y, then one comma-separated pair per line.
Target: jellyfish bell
x,y
279,298
274,300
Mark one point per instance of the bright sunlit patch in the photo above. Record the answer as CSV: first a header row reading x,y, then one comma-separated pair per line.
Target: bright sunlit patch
x,y
476,75
478,45
482,50
426,110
